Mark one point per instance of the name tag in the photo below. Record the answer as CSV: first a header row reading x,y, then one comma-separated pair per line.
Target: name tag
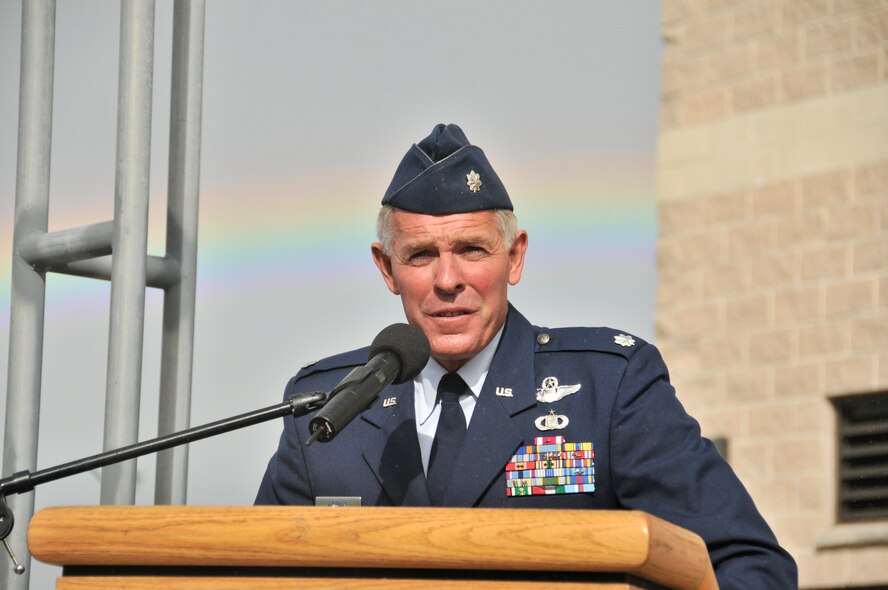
x,y
337,500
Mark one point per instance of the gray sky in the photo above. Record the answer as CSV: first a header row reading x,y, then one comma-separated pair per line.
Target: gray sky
x,y
308,108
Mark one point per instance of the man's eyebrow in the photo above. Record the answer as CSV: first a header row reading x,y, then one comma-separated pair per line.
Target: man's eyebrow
x,y
419,244
467,240
483,240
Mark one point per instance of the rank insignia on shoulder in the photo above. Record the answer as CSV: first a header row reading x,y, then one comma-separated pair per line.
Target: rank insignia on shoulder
x,y
552,392
624,340
551,466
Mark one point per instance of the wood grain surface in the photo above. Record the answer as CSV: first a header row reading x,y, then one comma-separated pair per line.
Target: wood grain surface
x,y
423,538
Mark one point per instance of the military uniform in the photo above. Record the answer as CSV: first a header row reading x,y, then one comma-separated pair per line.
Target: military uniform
x,y
648,453
566,418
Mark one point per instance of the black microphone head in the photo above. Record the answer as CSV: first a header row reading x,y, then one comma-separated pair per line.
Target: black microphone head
x,y
406,342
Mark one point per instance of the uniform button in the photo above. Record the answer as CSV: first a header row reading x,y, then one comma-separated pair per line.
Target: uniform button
x,y
543,338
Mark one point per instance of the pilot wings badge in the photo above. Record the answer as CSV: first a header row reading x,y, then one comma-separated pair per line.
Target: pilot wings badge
x,y
552,392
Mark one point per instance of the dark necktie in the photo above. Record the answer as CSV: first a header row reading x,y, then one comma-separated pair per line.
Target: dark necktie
x,y
448,436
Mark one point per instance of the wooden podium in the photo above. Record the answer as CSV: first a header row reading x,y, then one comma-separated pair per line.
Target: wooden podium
x,y
263,547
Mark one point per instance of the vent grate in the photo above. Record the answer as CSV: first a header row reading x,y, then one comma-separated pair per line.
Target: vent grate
x,y
863,456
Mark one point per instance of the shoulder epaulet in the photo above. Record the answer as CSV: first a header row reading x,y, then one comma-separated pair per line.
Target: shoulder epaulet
x,y
605,340
344,360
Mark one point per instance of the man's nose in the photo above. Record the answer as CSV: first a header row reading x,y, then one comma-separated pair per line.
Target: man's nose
x,y
448,275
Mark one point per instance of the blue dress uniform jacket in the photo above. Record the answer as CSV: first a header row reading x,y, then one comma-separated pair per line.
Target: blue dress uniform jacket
x,y
649,454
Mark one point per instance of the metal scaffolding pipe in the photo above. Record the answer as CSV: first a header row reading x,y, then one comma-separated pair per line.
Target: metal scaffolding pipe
x,y
160,273
28,285
184,181
79,243
124,377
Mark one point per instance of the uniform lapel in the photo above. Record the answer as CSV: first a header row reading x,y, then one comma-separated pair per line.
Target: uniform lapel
x,y
492,437
393,455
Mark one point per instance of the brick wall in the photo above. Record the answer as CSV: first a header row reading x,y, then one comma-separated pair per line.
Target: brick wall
x,y
773,253
726,58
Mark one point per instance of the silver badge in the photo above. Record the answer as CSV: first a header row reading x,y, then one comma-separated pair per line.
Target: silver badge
x,y
389,402
624,340
473,181
552,392
552,421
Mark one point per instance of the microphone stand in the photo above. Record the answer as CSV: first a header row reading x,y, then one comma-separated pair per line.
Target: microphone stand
x,y
21,482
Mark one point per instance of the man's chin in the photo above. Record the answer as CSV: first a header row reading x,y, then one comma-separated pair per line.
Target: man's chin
x,y
447,353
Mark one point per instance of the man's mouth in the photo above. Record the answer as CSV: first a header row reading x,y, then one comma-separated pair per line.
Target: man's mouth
x,y
449,314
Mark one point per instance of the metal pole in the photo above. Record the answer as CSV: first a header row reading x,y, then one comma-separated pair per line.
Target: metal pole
x,y
28,285
130,245
178,312
69,245
161,272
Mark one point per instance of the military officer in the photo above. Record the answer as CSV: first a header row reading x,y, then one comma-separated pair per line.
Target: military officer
x,y
507,414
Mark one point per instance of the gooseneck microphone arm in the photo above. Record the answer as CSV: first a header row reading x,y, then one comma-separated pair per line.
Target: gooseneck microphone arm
x,y
21,482
298,405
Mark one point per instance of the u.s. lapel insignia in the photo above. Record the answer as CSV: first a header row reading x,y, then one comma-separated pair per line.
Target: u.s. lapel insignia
x,y
624,340
473,181
552,421
389,402
552,392
504,392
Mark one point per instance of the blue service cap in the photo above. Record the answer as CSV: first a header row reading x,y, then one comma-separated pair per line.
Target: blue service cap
x,y
444,174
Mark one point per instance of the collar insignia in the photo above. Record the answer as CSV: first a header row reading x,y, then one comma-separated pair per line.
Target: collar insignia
x,y
504,392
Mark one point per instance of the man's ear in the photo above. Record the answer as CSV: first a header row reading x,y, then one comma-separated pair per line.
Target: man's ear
x,y
516,257
384,264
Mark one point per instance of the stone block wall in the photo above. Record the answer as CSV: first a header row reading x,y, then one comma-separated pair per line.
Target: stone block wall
x,y
773,251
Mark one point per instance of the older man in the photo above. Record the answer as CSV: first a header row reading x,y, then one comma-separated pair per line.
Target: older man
x,y
507,414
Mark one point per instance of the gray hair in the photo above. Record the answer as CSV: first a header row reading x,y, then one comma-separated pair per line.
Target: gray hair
x,y
385,231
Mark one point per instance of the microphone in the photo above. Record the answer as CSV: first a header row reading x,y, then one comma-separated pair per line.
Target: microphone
x,y
397,354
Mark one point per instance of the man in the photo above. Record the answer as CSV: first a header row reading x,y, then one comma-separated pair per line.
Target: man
x,y
498,393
